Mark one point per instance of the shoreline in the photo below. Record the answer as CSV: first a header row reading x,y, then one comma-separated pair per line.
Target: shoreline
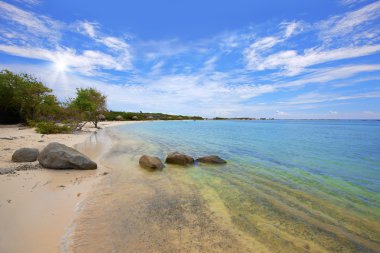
x,y
39,205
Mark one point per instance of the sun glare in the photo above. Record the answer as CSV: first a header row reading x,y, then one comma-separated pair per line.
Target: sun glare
x,y
60,65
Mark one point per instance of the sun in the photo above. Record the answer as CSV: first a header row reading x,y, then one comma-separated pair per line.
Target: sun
x,y
60,65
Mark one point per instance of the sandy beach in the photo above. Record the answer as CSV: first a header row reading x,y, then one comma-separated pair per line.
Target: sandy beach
x,y
37,206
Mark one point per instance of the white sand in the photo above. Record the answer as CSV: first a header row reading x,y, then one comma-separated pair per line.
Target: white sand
x,y
38,206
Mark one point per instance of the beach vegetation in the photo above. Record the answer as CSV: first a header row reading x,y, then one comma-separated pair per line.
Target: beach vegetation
x,y
23,97
90,104
49,127
112,115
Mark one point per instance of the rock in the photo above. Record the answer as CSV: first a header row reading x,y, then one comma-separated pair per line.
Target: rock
x,y
28,166
25,155
119,117
179,158
7,171
151,162
59,156
212,159
25,166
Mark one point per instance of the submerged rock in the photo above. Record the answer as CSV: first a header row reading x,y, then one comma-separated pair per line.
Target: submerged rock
x,y
59,156
25,155
211,159
179,158
151,162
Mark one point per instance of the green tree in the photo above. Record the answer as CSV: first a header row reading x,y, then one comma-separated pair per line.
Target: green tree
x,y
90,103
23,97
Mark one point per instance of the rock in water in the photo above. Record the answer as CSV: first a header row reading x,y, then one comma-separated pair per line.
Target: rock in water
x,y
212,159
59,156
25,155
179,158
151,162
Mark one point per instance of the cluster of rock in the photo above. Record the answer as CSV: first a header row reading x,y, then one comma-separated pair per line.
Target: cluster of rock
x,y
153,163
55,156
59,156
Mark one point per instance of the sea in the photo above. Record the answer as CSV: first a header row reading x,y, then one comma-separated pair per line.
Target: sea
x,y
287,186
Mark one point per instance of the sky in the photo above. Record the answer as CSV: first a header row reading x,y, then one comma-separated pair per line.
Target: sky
x,y
292,59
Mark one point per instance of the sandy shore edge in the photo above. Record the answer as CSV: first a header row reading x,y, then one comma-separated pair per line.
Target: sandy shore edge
x,y
38,206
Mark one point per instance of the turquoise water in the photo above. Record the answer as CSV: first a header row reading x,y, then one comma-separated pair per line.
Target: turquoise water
x,y
316,181
288,186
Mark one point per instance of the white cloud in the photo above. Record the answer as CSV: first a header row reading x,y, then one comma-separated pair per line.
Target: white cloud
x,y
292,28
209,65
281,113
345,36
153,50
116,45
35,25
255,50
33,36
294,63
87,28
350,22
312,98
29,2
156,68
88,62
351,2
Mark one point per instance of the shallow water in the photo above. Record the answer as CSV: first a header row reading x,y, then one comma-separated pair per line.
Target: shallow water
x,y
288,186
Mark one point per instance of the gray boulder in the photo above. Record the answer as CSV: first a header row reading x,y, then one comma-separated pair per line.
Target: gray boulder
x,y
59,156
151,162
179,158
25,155
212,159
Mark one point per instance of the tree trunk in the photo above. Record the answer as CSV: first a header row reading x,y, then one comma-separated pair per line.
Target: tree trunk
x,y
79,126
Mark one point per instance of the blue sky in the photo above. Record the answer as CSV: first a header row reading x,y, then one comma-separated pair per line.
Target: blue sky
x,y
281,59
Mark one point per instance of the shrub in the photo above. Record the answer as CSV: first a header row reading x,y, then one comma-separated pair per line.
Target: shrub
x,y
47,127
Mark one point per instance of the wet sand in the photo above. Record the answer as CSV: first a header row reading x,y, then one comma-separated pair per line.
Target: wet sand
x,y
38,206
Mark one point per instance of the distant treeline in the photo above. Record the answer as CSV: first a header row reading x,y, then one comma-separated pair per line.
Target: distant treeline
x,y
244,118
117,115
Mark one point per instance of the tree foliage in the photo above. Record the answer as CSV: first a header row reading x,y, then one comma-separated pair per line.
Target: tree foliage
x,y
23,97
90,103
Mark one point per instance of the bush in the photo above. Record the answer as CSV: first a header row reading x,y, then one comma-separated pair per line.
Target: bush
x,y
46,127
